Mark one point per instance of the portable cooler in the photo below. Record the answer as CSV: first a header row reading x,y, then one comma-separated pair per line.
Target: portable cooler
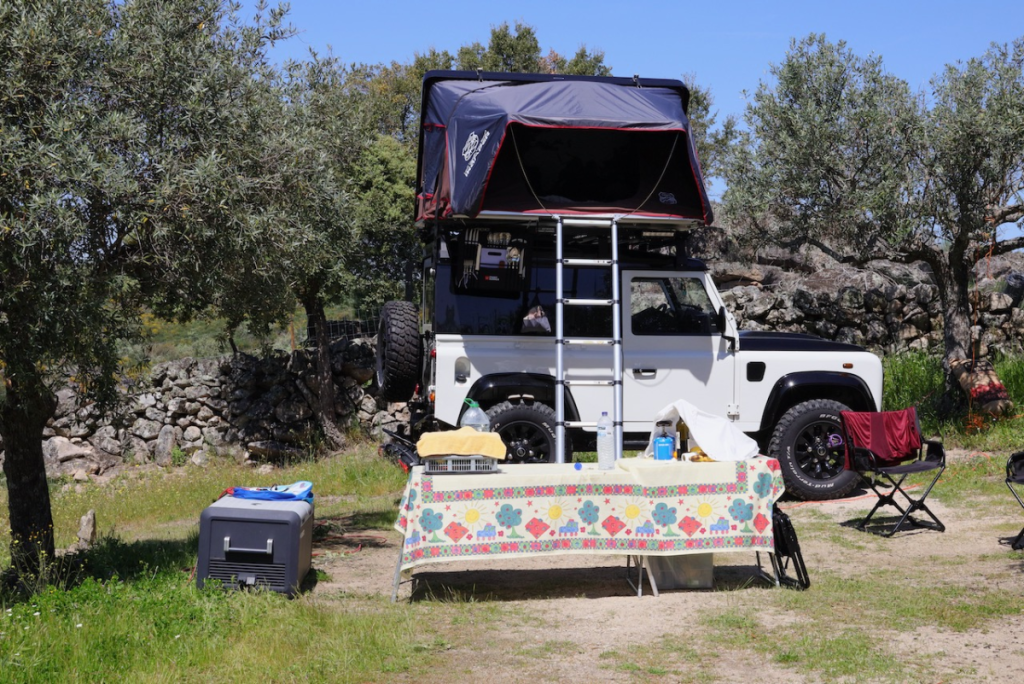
x,y
247,543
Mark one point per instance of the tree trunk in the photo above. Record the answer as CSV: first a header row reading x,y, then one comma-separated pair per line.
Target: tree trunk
x,y
23,415
956,312
326,404
976,378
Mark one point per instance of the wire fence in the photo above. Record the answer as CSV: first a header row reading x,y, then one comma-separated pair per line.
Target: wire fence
x,y
347,330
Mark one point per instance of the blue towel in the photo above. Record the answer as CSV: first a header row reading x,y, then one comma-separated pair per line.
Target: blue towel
x,y
297,491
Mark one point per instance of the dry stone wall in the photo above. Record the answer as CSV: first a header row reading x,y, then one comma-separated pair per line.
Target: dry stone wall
x,y
888,308
240,406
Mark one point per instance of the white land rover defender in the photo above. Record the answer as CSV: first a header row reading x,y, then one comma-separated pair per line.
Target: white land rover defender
x,y
554,213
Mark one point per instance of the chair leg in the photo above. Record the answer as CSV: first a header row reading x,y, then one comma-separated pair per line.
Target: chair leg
x,y
913,505
883,500
1018,542
917,504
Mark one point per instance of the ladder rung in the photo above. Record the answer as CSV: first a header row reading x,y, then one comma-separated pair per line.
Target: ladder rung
x,y
591,383
588,302
580,423
587,262
577,340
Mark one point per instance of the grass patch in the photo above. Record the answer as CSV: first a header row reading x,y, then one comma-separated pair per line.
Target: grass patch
x,y
915,378
163,504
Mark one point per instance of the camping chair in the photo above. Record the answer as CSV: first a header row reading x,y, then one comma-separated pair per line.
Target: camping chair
x,y
888,445
1015,476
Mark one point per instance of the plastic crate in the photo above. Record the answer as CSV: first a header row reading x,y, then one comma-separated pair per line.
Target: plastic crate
x,y
689,571
453,465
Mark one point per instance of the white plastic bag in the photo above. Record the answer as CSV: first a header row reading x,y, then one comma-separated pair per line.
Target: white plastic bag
x,y
716,436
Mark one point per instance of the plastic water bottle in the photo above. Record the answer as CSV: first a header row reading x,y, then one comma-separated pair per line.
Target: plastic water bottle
x,y
664,444
475,417
605,448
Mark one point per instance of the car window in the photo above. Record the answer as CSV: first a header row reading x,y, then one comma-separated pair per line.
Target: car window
x,y
671,306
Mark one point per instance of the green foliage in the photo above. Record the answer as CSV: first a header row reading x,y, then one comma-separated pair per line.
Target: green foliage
x,y
383,181
914,378
841,156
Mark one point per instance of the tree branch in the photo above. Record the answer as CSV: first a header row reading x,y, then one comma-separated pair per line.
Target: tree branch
x,y
1005,246
1000,215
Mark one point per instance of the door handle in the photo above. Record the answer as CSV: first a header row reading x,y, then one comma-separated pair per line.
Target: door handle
x,y
645,372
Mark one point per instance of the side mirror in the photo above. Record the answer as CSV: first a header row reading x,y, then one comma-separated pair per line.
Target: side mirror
x,y
721,320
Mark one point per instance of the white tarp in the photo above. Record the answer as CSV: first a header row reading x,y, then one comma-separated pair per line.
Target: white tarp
x,y
719,438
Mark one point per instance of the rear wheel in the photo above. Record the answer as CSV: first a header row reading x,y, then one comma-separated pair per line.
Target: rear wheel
x,y
398,351
528,431
808,441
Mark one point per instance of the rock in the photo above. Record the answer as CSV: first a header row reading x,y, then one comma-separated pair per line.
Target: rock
x,y
143,402
272,449
107,444
214,436
999,302
760,306
265,469
61,449
144,428
192,434
137,450
176,406
293,411
200,458
155,414
163,448
66,401
87,528
80,475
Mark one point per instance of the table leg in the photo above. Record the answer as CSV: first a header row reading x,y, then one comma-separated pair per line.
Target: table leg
x,y
398,572
650,577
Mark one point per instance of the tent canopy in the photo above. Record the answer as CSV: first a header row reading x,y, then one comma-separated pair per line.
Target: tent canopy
x,y
548,143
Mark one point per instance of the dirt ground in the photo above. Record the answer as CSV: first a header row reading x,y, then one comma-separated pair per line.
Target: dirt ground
x,y
582,606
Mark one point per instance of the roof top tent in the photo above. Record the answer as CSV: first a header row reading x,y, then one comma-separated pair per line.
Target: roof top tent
x,y
508,146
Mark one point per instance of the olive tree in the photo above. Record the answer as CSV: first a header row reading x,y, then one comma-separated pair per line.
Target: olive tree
x,y
123,129
841,155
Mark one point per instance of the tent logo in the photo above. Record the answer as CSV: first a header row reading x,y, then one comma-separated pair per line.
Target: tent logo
x,y
666,198
470,147
471,150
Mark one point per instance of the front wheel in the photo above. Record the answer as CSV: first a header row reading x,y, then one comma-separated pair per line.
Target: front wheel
x,y
528,431
808,441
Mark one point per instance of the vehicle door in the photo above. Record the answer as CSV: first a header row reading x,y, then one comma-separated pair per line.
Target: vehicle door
x,y
673,347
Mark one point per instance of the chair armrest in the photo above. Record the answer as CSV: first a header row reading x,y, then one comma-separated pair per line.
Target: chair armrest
x,y
864,459
934,451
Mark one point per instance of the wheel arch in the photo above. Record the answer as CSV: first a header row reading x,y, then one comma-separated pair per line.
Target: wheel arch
x,y
795,388
498,387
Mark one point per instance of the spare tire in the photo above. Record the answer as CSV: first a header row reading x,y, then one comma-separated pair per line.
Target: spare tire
x,y
398,351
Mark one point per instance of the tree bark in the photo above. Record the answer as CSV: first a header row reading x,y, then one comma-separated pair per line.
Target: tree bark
x,y
326,404
952,279
23,415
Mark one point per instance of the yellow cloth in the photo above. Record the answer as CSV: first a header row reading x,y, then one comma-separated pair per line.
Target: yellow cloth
x,y
462,442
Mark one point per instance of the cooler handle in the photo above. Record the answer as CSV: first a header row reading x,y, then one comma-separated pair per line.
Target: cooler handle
x,y
269,550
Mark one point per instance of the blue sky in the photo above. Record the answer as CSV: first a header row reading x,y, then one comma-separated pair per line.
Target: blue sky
x,y
727,45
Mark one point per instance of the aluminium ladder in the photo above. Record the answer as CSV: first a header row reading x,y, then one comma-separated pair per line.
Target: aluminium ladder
x,y
615,341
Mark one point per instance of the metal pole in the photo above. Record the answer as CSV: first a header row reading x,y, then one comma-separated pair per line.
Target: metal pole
x,y
559,348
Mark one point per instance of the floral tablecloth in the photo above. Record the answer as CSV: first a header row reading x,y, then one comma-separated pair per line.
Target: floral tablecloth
x,y
643,507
